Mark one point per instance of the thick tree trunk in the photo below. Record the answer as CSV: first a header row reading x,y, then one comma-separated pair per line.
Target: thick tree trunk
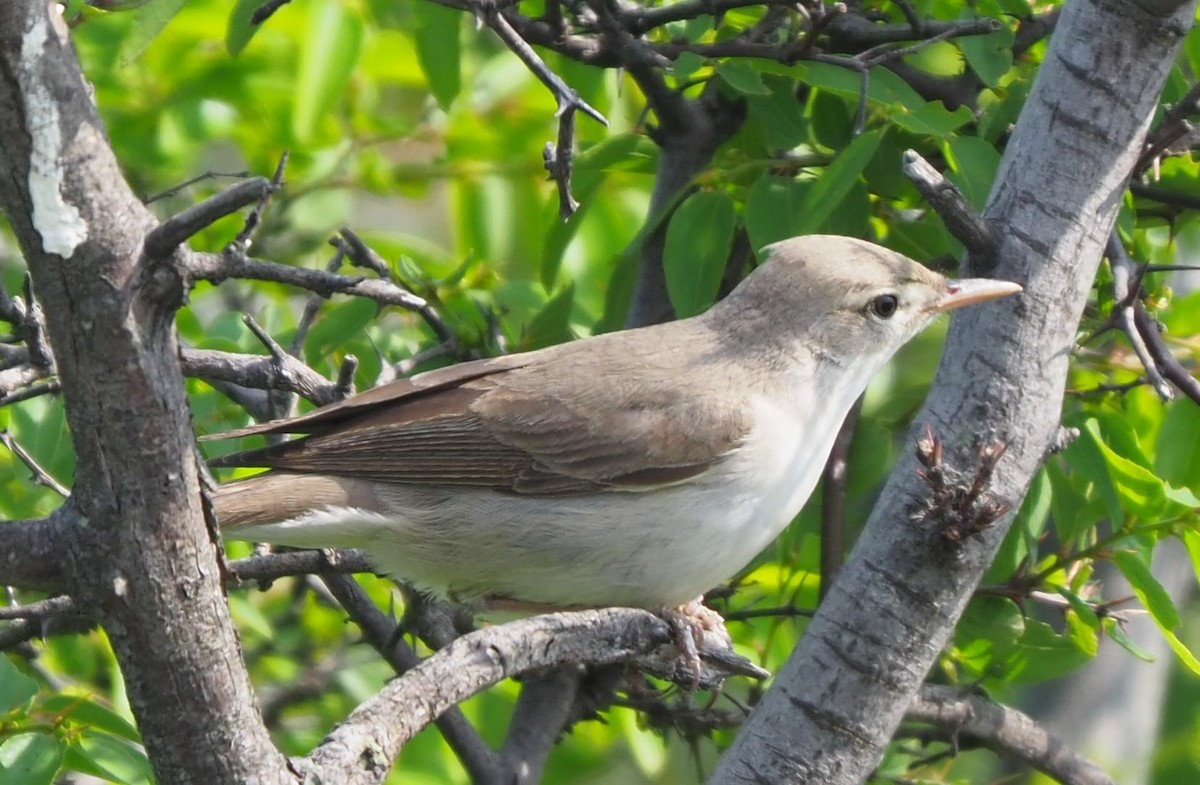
x,y
844,690
134,539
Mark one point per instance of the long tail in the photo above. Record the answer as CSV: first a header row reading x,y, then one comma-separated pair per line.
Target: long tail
x,y
273,497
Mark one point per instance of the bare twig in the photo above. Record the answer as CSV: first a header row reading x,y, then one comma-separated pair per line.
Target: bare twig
x,y
233,263
971,229
313,305
1003,730
545,706
17,384
833,500
1170,368
1126,288
269,567
363,255
40,475
40,610
558,159
384,636
209,175
286,374
1165,196
255,217
170,234
1174,126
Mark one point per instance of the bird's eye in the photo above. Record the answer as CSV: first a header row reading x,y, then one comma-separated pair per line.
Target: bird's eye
x,y
883,306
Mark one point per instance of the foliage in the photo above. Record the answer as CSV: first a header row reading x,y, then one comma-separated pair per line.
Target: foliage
x,y
425,136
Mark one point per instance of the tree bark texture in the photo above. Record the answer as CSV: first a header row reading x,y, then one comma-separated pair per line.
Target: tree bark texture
x,y
841,695
134,544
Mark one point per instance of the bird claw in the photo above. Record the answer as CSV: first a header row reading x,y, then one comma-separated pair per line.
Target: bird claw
x,y
699,636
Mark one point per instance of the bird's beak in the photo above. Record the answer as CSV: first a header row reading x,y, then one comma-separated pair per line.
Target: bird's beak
x,y
968,291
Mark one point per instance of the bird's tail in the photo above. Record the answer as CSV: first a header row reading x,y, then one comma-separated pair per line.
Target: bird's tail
x,y
276,496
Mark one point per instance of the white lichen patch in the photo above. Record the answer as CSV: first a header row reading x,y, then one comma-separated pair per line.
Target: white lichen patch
x,y
59,223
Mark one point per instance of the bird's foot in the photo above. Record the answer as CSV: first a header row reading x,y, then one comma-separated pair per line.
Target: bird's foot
x,y
695,628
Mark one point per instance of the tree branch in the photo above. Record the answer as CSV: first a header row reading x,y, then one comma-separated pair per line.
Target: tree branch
x,y
968,227
29,554
140,554
232,263
361,749
386,638
1003,730
1002,372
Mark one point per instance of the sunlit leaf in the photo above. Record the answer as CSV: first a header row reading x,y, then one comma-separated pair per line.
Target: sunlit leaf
x,y
835,182
1147,588
698,242
32,758
148,22
16,689
742,76
438,51
327,59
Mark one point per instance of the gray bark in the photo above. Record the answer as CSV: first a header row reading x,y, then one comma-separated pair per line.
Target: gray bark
x,y
133,541
838,700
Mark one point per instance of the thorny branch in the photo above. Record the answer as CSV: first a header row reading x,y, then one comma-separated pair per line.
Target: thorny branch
x,y
1130,315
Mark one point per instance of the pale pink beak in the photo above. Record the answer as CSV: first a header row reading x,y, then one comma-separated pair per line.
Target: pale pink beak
x,y
969,291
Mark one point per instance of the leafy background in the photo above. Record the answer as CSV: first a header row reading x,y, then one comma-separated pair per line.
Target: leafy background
x,y
425,136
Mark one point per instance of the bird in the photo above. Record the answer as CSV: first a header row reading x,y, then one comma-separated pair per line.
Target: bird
x,y
638,468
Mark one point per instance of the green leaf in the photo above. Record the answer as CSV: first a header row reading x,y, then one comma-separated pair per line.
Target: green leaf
x,y
835,182
552,324
989,631
239,29
1083,636
1044,654
1138,489
88,712
113,759
777,114
974,164
1191,541
1177,453
771,204
932,119
327,60
1085,457
743,77
30,759
1147,588
1182,652
686,64
989,56
337,324
148,21
1122,639
883,87
16,689
697,249
1026,530
436,34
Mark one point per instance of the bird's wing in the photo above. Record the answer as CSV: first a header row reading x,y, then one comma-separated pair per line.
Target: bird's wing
x,y
513,427
399,392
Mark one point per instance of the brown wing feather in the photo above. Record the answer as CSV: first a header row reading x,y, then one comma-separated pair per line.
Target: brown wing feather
x,y
399,392
575,425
